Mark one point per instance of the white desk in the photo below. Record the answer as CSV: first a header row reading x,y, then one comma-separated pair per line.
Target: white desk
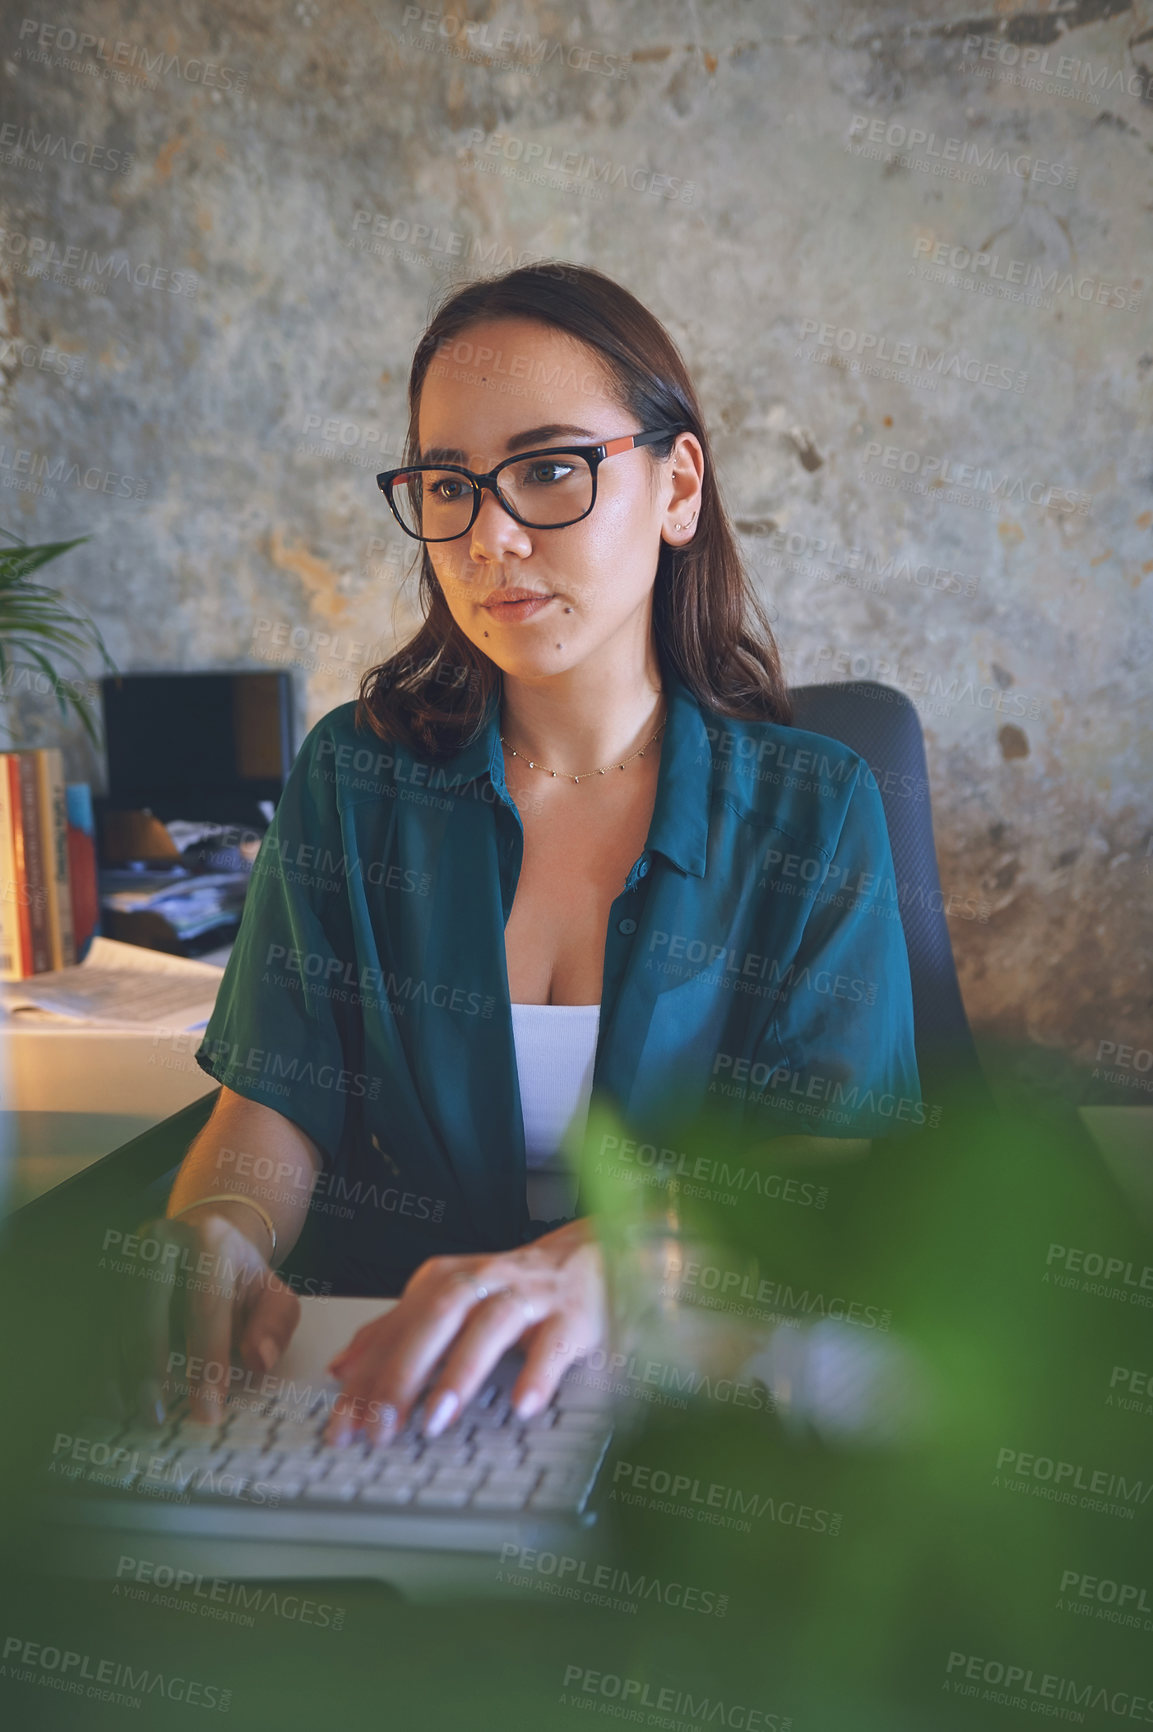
x,y
70,1095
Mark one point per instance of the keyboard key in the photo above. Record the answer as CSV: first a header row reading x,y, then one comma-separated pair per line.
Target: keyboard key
x,y
404,1473
546,1446
147,1443
329,1491
499,1497
307,1467
556,1498
451,1457
524,1481
191,1431
286,1488
573,1393
443,1496
493,1417
467,1477
254,1462
585,1419
389,1496
565,1484
223,1484
501,1456
190,1460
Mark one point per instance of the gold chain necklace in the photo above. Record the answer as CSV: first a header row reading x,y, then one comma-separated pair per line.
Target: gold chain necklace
x,y
565,774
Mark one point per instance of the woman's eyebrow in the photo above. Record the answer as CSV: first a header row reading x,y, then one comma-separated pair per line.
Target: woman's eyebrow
x,y
517,442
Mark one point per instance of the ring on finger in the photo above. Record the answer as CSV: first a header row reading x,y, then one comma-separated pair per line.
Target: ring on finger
x,y
480,1291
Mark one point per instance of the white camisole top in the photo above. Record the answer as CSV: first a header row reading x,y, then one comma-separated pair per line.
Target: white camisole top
x,y
555,1051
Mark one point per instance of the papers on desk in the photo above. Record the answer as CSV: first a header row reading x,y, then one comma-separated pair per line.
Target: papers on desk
x,y
190,903
118,986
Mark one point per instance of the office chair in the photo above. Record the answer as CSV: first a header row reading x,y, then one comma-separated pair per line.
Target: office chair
x,y
883,726
875,720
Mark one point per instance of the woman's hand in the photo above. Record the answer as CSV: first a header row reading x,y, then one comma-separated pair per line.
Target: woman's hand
x,y
231,1307
468,1311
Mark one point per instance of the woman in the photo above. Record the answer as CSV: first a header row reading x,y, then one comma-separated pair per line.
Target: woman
x,y
564,840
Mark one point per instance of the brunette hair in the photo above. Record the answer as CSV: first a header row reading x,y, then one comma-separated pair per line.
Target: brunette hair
x,y
709,623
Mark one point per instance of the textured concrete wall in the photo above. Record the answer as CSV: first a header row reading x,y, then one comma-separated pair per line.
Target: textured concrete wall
x,y
235,248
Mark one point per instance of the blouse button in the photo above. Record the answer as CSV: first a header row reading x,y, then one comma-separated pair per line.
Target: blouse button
x,y
626,926
642,868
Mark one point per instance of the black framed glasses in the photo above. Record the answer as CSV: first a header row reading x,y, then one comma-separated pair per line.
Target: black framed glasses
x,y
547,489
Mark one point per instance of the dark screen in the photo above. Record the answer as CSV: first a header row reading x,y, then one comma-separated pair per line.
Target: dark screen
x,y
187,745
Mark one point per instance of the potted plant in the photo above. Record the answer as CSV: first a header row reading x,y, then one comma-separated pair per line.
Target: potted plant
x,y
42,632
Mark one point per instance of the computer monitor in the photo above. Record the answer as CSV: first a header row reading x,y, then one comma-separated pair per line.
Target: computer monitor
x,y
198,745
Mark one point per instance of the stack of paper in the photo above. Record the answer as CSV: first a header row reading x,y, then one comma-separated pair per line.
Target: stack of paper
x,y
118,986
191,904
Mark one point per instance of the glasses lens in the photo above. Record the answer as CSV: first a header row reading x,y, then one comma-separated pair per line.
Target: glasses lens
x,y
548,490
435,503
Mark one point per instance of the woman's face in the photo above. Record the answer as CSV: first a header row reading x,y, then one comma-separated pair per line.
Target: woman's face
x,y
510,385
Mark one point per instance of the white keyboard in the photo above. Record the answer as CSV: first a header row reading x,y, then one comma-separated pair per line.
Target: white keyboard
x,y
274,1454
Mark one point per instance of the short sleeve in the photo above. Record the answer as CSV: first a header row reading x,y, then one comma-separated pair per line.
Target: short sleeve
x,y
275,1034
840,1049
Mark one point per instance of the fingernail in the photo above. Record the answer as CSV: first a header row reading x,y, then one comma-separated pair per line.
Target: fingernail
x,y
339,1432
384,1423
529,1403
268,1352
441,1413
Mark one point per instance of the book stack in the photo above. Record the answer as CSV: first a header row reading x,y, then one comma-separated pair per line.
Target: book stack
x,y
49,897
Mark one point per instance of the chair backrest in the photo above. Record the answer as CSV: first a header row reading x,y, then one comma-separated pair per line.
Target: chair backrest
x,y
883,726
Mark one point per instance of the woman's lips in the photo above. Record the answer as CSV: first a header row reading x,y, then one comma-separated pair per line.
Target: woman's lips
x,y
513,611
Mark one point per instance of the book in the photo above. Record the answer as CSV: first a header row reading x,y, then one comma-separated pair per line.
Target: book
x,y
34,862
19,885
82,873
54,825
11,933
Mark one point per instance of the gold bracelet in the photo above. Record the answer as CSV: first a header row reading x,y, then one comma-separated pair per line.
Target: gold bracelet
x,y
233,1197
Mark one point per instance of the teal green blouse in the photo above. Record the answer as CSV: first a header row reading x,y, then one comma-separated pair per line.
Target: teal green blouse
x,y
755,965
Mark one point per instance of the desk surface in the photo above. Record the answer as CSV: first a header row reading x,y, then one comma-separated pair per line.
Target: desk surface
x,y
72,1093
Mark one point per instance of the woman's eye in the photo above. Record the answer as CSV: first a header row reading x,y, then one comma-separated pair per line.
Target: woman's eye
x,y
548,469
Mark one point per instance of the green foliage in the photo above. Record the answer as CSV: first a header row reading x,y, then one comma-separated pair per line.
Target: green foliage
x,y
40,630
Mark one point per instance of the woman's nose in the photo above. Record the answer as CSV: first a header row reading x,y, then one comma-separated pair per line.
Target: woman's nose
x,y
495,528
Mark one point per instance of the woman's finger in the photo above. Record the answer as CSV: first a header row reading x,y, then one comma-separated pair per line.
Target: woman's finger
x,y
356,1346
491,1328
267,1324
394,1369
212,1306
209,1309
430,1270
146,1331
349,1408
550,1353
